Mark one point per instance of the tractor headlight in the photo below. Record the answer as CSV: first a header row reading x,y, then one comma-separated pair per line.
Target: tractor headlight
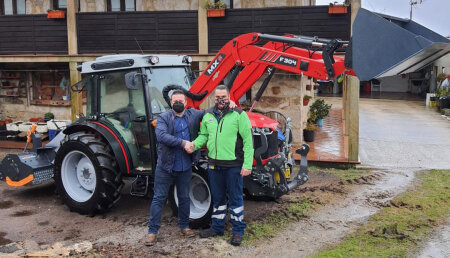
x,y
153,60
187,59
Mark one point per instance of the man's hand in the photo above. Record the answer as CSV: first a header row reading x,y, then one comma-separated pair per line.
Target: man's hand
x,y
189,147
245,172
232,104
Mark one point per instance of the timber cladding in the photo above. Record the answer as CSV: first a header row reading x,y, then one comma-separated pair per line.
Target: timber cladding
x,y
162,31
32,34
304,20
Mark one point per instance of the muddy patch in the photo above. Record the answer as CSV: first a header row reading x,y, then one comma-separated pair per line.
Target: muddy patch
x,y
3,240
6,204
43,223
23,213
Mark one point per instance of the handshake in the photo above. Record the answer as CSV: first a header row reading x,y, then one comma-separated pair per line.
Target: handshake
x,y
189,147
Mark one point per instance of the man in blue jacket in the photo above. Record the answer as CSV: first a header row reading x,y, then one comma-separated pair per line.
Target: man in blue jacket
x,y
175,129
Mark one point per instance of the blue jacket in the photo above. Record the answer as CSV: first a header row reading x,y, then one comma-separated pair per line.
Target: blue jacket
x,y
167,142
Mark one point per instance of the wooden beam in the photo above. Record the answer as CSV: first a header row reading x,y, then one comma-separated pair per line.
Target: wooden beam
x,y
353,117
76,101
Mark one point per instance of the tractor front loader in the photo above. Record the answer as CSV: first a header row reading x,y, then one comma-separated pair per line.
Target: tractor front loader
x,y
115,140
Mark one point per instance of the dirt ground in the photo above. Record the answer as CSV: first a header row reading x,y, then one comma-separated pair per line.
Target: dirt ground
x,y
35,214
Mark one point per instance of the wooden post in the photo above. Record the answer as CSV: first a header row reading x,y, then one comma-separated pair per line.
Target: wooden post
x,y
72,43
350,103
203,43
76,101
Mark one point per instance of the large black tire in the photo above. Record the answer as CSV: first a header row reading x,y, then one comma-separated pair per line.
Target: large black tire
x,y
108,180
198,219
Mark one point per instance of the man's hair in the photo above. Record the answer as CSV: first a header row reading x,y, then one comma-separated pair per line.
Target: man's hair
x,y
177,92
223,87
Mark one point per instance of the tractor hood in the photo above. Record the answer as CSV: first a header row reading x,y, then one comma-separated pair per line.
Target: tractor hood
x,y
261,121
384,46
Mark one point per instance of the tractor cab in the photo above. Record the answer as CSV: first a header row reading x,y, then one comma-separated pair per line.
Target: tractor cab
x,y
124,92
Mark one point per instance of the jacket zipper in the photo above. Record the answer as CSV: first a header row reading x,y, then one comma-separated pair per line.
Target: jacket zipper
x,y
217,130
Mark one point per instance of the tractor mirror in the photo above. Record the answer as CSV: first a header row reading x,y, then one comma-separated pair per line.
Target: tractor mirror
x,y
132,80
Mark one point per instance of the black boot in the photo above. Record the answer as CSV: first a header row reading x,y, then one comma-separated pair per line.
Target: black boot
x,y
236,240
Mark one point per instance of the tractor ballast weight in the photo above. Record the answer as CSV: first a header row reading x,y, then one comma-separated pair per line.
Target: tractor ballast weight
x,y
383,46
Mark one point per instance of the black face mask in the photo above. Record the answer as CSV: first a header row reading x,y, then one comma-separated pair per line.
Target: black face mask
x,y
221,103
178,107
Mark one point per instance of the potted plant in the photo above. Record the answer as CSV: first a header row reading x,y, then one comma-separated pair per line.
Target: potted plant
x,y
55,14
216,9
335,8
310,130
49,116
306,99
321,110
308,86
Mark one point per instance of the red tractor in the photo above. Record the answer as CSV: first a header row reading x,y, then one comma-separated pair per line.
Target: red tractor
x,y
115,140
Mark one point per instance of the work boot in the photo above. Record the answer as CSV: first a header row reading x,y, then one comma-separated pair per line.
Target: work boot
x,y
236,240
187,232
209,233
150,240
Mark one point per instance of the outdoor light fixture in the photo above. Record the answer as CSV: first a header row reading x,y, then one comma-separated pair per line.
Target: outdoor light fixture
x,y
153,60
187,59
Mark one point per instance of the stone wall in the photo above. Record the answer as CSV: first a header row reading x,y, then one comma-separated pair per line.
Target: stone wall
x,y
284,94
271,3
23,112
38,6
92,5
168,5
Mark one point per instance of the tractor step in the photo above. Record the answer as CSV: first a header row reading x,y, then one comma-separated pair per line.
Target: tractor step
x,y
139,187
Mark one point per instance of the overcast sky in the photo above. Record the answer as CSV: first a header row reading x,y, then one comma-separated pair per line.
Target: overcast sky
x,y
433,14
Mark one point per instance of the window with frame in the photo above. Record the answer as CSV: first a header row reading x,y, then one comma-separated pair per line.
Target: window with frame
x,y
12,7
59,4
121,5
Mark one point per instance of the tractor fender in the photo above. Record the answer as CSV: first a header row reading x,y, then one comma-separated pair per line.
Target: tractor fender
x,y
115,141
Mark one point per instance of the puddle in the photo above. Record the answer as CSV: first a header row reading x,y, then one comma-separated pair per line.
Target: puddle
x,y
6,204
23,213
3,240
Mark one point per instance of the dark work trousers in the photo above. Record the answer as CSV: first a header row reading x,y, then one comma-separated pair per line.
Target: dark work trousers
x,y
227,181
163,181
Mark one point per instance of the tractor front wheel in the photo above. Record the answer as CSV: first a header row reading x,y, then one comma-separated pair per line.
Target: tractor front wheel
x,y
87,176
201,200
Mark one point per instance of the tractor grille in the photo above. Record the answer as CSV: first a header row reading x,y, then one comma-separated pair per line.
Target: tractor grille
x,y
272,144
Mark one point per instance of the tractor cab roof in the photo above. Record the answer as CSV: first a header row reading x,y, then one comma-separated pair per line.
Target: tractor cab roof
x,y
129,61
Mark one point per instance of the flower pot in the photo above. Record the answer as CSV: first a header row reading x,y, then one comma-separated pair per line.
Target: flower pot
x,y
216,12
308,136
305,102
337,9
320,122
58,14
308,87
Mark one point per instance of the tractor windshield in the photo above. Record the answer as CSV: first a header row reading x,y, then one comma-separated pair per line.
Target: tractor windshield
x,y
159,77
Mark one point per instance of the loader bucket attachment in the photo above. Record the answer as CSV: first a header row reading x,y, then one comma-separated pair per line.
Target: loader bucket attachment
x,y
384,46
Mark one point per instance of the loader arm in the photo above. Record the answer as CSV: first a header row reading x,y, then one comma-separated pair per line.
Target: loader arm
x,y
251,61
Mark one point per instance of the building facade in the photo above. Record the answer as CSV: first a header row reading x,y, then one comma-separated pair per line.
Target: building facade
x,y
38,55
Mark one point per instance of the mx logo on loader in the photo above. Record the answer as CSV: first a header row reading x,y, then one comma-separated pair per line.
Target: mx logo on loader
x,y
214,64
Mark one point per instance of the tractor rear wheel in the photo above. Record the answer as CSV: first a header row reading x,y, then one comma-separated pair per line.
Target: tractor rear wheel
x,y
201,205
87,176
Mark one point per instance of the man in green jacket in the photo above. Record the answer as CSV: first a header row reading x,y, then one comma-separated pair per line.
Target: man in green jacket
x,y
227,134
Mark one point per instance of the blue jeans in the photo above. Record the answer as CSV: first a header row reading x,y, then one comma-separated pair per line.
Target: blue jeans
x,y
163,181
227,181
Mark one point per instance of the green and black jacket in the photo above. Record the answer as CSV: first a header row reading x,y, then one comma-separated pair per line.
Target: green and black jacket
x,y
228,139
